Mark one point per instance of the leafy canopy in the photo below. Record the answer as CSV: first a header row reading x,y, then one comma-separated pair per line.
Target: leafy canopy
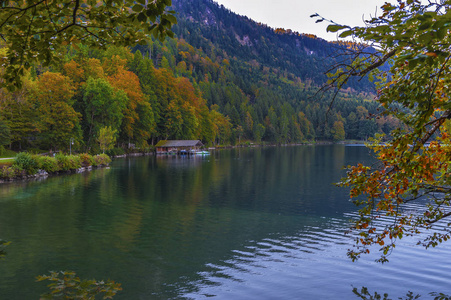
x,y
37,31
406,51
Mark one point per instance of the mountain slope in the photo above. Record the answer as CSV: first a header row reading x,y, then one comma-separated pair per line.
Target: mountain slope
x,y
206,25
264,80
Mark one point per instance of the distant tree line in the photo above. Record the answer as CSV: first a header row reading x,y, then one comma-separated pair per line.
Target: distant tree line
x,y
170,90
189,87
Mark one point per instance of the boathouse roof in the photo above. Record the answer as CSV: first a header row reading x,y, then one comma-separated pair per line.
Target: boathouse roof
x,y
179,143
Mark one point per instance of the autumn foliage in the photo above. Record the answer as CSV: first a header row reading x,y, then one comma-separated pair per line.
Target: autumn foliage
x,y
126,93
413,166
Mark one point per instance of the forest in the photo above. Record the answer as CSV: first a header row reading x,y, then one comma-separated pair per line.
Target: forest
x,y
197,85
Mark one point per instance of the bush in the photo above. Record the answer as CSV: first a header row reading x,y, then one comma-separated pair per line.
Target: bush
x,y
75,161
48,164
68,162
101,159
27,162
86,159
63,162
11,172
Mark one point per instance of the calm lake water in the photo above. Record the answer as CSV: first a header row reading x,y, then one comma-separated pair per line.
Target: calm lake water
x,y
239,224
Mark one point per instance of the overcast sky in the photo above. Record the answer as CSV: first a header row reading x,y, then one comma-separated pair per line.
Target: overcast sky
x,y
295,14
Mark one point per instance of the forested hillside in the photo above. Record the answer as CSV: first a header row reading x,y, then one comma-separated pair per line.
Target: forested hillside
x,y
216,30
223,79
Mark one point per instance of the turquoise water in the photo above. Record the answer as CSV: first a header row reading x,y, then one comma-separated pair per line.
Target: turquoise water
x,y
263,223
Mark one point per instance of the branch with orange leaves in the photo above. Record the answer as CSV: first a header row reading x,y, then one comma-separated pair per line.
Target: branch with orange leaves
x,y
405,174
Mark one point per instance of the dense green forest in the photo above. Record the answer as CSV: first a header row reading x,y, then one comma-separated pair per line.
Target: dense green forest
x,y
223,79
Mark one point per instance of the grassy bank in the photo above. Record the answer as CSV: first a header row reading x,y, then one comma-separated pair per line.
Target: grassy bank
x,y
6,162
26,165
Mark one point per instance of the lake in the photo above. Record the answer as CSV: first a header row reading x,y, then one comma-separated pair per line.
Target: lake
x,y
251,223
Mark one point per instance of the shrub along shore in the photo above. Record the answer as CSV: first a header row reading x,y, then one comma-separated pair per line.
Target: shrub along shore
x,y
26,165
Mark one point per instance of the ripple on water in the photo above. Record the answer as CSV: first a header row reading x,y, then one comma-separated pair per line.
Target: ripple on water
x,y
314,266
210,230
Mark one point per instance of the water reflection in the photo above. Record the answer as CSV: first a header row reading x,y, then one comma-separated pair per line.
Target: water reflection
x,y
240,223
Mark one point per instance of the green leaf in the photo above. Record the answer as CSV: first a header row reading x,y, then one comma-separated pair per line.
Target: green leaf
x,y
171,19
346,33
442,32
425,38
335,28
142,17
137,8
424,25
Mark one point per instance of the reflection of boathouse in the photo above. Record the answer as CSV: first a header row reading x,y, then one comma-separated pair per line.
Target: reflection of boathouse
x,y
178,146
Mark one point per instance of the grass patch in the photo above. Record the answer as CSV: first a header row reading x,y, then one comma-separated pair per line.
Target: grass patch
x,y
7,153
6,162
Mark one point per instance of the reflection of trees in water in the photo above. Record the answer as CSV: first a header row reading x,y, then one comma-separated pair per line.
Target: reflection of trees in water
x,y
165,217
52,184
180,161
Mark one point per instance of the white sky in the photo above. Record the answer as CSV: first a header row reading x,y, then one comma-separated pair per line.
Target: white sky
x,y
295,14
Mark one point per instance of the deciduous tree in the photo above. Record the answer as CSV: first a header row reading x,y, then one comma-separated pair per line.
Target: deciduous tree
x,y
103,106
338,131
106,138
18,113
58,121
129,83
411,41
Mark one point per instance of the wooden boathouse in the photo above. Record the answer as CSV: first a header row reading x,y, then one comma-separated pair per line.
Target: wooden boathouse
x,y
178,146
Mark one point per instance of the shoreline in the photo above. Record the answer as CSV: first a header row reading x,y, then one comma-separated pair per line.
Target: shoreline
x,y
40,175
43,174
26,166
